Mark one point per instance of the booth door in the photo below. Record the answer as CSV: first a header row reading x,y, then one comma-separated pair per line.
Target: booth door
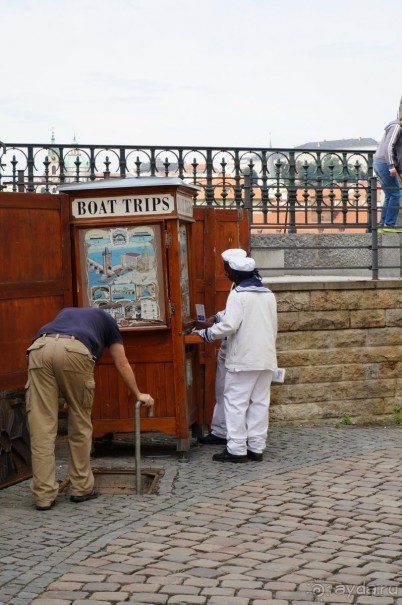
x,y
214,231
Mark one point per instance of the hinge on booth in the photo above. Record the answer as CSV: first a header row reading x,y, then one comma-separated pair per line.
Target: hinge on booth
x,y
168,239
172,308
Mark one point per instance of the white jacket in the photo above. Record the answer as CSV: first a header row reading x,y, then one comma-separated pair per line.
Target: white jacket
x,y
250,325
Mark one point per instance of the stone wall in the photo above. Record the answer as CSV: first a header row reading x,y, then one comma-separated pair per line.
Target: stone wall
x,y
341,345
336,254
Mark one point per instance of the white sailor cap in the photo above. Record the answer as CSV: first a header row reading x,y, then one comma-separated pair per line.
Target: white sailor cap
x,y
233,253
238,260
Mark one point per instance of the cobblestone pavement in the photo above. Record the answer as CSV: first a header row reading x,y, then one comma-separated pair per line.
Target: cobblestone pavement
x,y
319,520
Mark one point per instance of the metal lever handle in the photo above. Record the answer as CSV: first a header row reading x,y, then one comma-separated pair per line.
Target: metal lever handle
x,y
138,404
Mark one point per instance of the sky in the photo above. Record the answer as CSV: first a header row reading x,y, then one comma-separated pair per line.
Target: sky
x,y
239,73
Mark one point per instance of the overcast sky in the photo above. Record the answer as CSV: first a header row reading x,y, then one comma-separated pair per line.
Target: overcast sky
x,y
198,72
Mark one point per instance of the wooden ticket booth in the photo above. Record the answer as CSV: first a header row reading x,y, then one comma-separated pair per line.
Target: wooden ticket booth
x,y
132,257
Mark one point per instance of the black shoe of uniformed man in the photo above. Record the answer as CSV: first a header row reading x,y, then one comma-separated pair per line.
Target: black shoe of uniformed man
x,y
254,456
226,456
212,439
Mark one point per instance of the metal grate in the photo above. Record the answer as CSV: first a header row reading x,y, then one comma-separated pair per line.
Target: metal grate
x,y
15,454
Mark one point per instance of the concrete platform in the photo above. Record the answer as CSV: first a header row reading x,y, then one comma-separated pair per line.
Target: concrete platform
x,y
319,520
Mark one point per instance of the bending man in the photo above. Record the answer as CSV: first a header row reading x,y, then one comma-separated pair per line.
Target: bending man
x,y
61,359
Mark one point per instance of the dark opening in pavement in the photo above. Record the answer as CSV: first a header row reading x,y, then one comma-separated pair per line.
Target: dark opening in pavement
x,y
117,481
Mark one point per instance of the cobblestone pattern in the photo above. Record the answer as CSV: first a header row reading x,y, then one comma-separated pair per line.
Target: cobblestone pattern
x,y
318,521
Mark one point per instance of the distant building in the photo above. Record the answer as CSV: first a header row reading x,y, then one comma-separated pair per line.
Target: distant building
x,y
76,162
361,144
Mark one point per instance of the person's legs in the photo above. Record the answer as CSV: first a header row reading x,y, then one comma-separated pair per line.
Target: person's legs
x,y
257,414
75,376
218,424
238,389
392,194
42,412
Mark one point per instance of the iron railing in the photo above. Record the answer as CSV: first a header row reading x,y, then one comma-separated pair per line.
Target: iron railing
x,y
361,254
286,189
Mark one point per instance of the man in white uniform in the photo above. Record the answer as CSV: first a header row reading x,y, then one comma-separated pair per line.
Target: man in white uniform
x,y
250,326
217,434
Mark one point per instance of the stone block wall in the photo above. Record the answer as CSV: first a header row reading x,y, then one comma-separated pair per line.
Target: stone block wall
x,y
336,254
341,345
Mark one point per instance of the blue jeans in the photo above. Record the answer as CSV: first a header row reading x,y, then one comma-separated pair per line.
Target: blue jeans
x,y
392,194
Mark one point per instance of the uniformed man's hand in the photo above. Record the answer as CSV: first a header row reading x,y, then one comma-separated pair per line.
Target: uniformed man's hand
x,y
207,323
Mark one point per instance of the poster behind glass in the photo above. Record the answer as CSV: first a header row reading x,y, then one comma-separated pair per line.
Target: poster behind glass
x,y
184,277
122,273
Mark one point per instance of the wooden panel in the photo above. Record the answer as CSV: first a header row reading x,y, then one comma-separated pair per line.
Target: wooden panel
x,y
160,377
30,289
35,274
31,243
178,369
20,320
107,378
148,345
113,400
227,235
163,425
201,281
29,201
216,230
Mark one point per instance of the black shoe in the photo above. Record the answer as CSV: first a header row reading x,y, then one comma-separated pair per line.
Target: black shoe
x,y
212,439
90,496
226,456
254,456
47,507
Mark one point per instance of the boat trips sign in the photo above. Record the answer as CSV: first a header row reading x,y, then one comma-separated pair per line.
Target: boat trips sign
x,y
124,205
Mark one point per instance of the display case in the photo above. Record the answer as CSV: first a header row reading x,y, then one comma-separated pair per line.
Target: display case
x,y
121,270
132,257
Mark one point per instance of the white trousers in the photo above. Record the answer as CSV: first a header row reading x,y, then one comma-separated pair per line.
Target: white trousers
x,y
247,397
218,424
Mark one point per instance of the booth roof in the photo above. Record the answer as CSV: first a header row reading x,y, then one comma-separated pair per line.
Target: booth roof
x,y
131,182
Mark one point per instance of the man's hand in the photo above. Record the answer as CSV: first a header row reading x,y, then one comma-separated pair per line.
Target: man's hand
x,y
207,323
146,399
393,172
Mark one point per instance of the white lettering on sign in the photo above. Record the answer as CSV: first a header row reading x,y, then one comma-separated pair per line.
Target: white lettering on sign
x,y
184,205
123,206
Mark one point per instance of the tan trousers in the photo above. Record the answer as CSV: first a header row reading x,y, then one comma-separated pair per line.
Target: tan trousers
x,y
59,366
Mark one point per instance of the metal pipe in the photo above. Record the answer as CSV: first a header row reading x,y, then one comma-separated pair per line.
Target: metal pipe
x,y
374,228
138,444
